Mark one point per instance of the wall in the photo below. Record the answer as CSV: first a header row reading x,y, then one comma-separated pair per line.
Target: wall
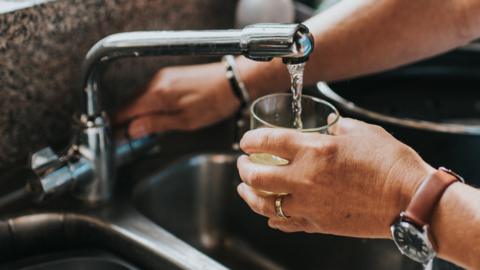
x,y
41,51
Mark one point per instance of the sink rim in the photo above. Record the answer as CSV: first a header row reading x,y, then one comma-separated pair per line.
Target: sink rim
x,y
115,227
53,258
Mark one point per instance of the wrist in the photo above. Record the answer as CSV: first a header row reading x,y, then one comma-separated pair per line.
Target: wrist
x,y
411,182
412,232
407,178
223,92
236,84
262,78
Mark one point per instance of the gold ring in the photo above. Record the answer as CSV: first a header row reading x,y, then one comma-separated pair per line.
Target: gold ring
x,y
278,207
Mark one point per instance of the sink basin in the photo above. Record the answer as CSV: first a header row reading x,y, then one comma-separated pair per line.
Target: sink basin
x,y
195,199
80,259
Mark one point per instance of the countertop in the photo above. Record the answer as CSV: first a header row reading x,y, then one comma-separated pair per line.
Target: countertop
x,y
42,48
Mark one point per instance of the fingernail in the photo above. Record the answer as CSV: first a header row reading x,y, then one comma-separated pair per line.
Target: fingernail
x,y
241,159
240,188
137,130
331,117
271,224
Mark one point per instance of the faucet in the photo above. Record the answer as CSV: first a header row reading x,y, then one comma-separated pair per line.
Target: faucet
x,y
91,162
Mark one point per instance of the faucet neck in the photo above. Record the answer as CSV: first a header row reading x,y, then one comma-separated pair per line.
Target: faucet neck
x,y
260,42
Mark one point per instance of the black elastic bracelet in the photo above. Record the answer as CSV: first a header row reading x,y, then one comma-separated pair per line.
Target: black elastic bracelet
x,y
237,86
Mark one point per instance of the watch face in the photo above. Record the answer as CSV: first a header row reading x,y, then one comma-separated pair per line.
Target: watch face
x,y
413,242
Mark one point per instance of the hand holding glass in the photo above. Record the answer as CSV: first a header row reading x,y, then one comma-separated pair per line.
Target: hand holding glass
x,y
275,111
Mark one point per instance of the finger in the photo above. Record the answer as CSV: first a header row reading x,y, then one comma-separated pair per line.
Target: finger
x,y
331,118
154,100
350,126
332,121
263,177
289,225
276,141
153,123
263,205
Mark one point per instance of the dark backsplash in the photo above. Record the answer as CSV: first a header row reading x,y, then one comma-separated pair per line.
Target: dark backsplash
x,y
42,48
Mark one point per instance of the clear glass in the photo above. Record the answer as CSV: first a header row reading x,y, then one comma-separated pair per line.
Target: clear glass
x,y
275,111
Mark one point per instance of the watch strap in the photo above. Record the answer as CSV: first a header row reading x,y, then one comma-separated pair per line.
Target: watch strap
x,y
420,209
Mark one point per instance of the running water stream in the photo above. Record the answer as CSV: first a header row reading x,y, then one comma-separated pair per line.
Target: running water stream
x,y
296,78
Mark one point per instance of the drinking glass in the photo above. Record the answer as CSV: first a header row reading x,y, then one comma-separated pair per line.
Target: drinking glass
x,y
275,111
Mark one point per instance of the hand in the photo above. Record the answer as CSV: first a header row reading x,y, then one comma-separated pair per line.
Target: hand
x,y
353,184
181,98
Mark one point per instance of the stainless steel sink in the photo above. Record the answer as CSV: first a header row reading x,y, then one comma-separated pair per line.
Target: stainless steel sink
x,y
196,200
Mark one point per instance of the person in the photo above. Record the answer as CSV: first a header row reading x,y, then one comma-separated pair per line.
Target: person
x,y
354,183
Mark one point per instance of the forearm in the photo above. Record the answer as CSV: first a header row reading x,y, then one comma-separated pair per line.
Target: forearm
x,y
359,37
456,226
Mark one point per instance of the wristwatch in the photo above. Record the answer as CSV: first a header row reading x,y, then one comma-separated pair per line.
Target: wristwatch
x,y
410,232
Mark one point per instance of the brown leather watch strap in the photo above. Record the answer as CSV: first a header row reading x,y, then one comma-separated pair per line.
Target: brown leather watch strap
x,y
423,202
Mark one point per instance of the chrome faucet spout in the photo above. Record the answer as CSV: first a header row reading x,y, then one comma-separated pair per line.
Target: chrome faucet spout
x,y
260,42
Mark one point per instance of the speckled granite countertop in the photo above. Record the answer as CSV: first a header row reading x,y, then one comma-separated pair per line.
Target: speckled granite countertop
x,y
42,48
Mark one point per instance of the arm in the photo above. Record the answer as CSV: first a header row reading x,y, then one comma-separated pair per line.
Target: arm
x,y
351,39
456,226
360,37
354,184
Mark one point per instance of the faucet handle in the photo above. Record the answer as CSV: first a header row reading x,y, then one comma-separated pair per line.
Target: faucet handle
x,y
44,159
54,172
